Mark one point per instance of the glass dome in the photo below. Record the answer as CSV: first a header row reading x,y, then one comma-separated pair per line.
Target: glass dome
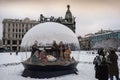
x,y
46,33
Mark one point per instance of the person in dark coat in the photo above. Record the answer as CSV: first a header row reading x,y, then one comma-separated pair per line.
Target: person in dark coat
x,y
17,52
113,66
101,67
55,49
34,48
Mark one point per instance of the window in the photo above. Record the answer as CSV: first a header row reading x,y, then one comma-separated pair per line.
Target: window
x,y
8,42
8,24
14,48
20,42
19,30
13,29
22,25
14,42
26,25
22,36
16,35
8,29
26,28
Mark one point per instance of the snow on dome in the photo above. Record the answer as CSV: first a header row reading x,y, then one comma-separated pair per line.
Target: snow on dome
x,y
45,33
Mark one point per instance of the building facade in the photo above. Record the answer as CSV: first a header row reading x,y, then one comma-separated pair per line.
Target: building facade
x,y
15,29
106,39
85,41
68,20
101,39
1,46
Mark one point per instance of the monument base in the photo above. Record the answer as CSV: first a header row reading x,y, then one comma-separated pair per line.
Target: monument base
x,y
47,74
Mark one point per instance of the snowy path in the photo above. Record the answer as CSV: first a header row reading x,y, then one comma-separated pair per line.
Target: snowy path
x,y
13,72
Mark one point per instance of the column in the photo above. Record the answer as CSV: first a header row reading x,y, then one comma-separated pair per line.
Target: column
x,y
10,44
18,44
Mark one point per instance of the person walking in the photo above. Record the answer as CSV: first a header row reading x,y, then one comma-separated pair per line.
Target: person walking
x,y
101,67
113,66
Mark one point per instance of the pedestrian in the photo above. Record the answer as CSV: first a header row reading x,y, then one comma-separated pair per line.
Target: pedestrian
x,y
113,66
17,52
101,66
10,53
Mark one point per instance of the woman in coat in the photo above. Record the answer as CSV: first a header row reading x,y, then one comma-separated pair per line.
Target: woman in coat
x,y
101,67
113,66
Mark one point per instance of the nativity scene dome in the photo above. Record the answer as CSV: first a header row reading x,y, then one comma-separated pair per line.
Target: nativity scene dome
x,y
51,51
46,33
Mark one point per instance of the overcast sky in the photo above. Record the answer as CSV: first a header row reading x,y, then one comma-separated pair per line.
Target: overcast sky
x,y
91,15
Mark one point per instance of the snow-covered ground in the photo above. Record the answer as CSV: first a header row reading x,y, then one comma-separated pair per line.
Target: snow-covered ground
x,y
11,68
